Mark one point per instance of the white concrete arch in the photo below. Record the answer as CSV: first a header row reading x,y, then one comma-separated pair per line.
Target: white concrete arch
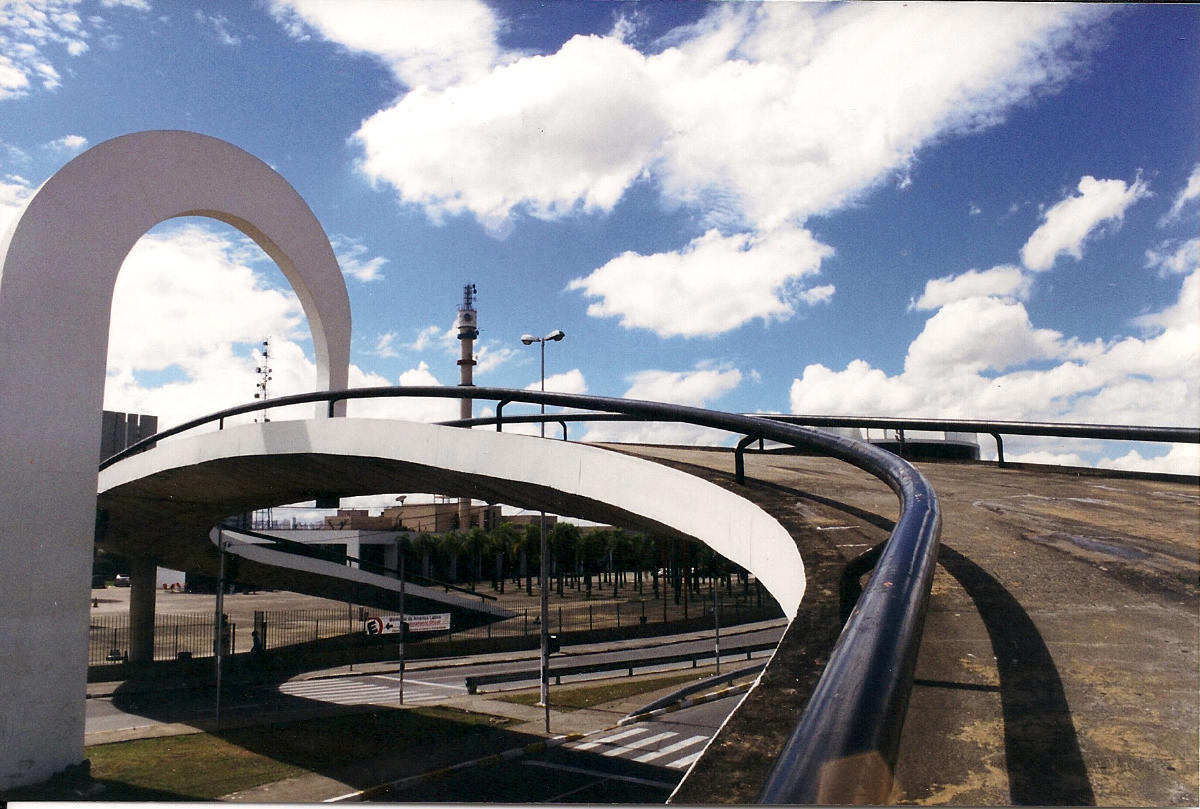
x,y
218,473
58,265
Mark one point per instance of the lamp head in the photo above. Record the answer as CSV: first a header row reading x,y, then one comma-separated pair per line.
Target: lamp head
x,y
528,339
555,335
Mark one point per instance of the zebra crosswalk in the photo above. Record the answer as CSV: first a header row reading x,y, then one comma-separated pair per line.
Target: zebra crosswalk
x,y
345,691
646,744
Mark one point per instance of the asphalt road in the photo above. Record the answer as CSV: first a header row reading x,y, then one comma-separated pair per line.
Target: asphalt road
x,y
131,708
640,763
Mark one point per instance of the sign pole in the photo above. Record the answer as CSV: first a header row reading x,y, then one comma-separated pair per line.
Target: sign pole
x,y
402,627
717,622
219,623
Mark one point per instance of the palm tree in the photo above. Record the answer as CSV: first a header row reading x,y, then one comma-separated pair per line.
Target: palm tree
x,y
475,542
565,539
425,544
531,554
502,541
591,548
451,544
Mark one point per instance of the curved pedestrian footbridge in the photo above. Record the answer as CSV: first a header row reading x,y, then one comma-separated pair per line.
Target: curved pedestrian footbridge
x,y
1059,659
162,503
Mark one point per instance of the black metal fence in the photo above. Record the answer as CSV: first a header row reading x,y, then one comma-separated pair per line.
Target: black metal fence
x,y
190,635
175,636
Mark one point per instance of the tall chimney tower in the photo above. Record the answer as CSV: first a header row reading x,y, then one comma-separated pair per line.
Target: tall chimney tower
x,y
468,330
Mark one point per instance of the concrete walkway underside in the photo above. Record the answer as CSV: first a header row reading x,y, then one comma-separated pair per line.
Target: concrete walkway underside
x,y
1059,658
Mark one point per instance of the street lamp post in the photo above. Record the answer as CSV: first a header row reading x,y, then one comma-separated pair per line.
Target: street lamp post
x,y
544,566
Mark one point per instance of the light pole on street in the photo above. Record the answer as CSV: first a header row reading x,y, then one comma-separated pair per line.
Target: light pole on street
x,y
544,566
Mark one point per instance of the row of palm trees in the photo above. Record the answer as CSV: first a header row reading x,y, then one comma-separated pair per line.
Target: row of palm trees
x,y
588,559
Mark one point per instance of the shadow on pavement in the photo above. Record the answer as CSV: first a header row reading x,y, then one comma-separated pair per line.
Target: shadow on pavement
x,y
1045,763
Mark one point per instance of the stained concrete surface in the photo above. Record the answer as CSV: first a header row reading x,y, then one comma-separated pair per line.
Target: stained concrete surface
x,y
1059,658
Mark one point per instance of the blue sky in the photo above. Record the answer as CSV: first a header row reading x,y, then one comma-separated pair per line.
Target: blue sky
x,y
958,210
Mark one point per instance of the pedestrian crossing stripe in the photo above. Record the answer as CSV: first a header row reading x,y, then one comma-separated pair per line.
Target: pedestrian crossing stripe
x,y
626,742
351,693
607,739
669,749
635,745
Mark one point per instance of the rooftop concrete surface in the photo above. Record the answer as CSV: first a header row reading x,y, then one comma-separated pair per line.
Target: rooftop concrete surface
x,y
1059,658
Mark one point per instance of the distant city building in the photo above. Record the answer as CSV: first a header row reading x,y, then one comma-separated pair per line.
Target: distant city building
x,y
430,518
120,430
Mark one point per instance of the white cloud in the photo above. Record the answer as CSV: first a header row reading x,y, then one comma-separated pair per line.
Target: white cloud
x,y
352,257
1004,281
177,285
431,43
490,355
425,338
173,326
220,26
1180,459
1068,223
1175,258
67,145
698,387
759,116
31,35
1183,312
735,115
548,135
979,334
715,284
695,388
15,191
1190,192
982,358
414,408
385,346
571,381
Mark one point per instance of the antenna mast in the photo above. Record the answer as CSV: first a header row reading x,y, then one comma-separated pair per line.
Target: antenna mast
x,y
264,376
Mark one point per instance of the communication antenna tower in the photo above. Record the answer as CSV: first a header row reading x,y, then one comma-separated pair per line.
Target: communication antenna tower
x,y
264,517
264,377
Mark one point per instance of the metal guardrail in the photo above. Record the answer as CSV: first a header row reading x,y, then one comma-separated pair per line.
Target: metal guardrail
x,y
996,429
858,707
627,665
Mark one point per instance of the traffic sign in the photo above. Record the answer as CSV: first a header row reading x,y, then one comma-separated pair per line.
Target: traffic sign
x,y
391,624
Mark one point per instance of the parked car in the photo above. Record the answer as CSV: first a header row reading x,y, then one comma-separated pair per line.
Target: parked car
x,y
122,580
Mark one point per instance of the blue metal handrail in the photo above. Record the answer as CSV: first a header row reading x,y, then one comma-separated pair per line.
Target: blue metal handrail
x,y
858,707
996,429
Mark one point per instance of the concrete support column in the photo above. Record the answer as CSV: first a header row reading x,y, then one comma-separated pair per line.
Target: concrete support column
x,y
143,588
391,555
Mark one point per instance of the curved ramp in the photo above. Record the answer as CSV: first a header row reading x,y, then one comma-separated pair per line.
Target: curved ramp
x,y
267,567
163,502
